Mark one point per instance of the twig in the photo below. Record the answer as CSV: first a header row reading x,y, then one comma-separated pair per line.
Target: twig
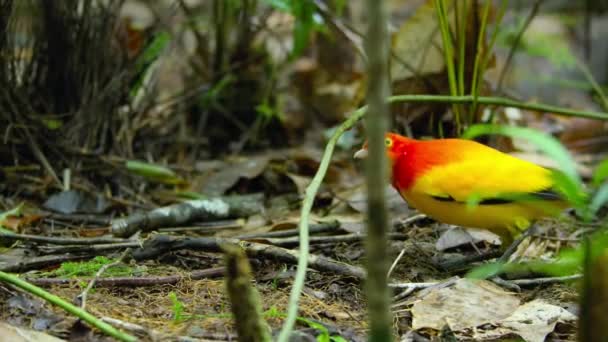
x,y
40,156
518,282
160,244
59,240
409,220
547,280
40,262
293,241
507,284
457,263
132,327
394,264
78,312
92,249
83,218
315,228
102,269
515,45
208,227
132,281
596,87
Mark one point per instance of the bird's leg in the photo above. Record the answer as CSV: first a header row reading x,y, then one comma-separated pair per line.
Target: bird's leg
x,y
513,246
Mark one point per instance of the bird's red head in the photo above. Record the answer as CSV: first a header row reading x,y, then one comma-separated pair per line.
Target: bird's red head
x,y
399,150
396,145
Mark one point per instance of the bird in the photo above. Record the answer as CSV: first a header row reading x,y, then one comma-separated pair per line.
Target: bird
x,y
468,184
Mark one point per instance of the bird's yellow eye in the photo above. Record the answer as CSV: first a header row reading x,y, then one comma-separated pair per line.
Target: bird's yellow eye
x,y
388,142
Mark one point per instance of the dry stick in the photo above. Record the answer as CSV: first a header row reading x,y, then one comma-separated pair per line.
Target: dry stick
x,y
40,156
518,282
160,244
59,240
188,211
377,46
315,228
102,269
76,311
313,187
93,249
293,241
394,264
40,262
132,327
244,298
132,281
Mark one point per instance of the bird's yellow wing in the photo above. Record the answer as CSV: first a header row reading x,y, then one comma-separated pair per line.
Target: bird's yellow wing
x,y
484,179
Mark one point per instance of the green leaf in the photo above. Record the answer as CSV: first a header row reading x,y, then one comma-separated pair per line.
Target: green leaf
x,y
147,57
601,173
153,50
599,199
177,307
570,189
52,124
16,211
153,172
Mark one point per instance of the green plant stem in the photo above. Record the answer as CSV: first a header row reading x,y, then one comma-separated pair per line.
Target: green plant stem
x,y
311,192
448,53
462,37
76,311
313,188
377,46
516,43
478,56
499,101
596,87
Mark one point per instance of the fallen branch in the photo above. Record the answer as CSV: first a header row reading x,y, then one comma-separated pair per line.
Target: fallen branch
x,y
161,244
76,311
181,213
132,281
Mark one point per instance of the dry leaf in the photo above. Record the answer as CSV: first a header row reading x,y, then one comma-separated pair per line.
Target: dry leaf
x,y
466,304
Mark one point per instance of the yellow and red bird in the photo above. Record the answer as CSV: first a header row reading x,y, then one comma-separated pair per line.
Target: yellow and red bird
x,y
442,177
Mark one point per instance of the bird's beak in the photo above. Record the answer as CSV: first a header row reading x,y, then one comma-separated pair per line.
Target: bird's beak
x,y
361,154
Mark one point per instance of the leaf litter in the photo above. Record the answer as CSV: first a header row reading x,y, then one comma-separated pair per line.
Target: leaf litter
x,y
198,307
